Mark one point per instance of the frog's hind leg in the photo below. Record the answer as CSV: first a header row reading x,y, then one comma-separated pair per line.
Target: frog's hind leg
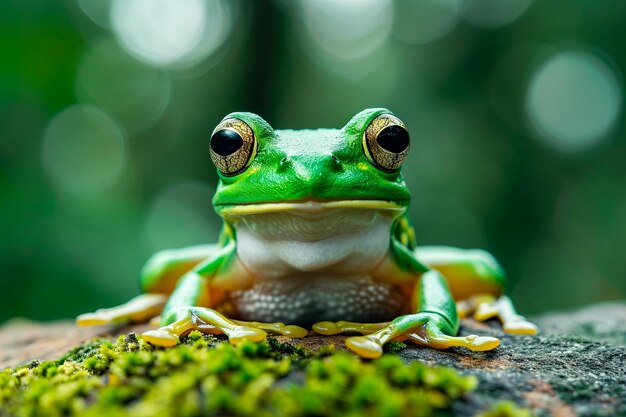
x,y
164,269
158,279
477,282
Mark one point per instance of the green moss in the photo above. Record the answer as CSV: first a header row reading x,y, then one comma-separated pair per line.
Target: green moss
x,y
204,376
506,409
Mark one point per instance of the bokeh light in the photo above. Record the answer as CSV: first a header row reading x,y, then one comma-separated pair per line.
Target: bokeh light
x,y
423,21
349,29
133,92
97,10
573,100
180,216
84,151
340,34
493,13
171,33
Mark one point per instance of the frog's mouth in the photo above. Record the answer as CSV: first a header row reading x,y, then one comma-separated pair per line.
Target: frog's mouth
x,y
308,207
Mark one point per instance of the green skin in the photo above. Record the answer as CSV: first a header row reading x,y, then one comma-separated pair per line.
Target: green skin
x,y
262,182
328,165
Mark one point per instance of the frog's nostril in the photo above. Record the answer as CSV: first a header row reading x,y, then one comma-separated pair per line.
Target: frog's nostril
x,y
335,162
284,164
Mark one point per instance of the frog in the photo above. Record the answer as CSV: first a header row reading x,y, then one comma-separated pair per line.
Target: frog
x,y
316,237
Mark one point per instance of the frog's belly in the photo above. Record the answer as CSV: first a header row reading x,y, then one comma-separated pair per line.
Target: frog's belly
x,y
310,299
310,268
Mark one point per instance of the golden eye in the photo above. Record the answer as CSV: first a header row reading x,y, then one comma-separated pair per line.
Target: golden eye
x,y
233,146
386,142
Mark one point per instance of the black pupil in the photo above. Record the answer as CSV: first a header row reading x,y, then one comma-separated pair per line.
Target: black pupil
x,y
226,142
393,139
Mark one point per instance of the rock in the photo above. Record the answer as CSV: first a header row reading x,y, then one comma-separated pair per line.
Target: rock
x,y
576,366
601,322
23,340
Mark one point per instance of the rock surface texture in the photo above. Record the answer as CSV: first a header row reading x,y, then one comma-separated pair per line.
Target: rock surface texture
x,y
576,366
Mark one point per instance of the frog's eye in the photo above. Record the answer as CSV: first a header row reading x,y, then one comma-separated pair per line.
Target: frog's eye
x,y
386,142
233,146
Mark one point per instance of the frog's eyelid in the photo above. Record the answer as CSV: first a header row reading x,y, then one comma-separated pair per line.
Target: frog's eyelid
x,y
361,120
259,126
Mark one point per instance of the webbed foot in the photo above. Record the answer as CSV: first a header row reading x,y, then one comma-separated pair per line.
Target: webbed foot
x,y
424,328
485,307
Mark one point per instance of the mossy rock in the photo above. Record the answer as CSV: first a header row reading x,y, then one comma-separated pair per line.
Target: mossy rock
x,y
575,367
208,376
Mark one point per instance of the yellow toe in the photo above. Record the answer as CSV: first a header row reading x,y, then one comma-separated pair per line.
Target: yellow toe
x,y
91,319
365,346
160,337
294,331
327,328
482,343
241,333
485,312
519,327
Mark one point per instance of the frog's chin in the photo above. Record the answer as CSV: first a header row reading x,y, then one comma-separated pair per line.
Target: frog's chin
x,y
309,207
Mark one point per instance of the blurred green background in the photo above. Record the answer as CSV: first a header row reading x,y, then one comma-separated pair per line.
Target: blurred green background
x,y
515,108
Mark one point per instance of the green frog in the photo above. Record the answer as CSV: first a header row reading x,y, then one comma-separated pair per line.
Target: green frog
x,y
316,235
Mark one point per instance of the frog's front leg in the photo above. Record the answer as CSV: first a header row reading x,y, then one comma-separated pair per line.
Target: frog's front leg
x,y
181,315
188,317
435,324
189,306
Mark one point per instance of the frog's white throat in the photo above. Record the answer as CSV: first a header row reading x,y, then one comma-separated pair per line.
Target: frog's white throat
x,y
341,240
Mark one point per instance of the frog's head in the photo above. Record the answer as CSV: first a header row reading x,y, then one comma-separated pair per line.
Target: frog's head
x,y
265,170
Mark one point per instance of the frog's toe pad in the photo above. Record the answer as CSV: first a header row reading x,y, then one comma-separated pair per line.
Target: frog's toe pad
x,y
160,337
482,343
89,319
241,333
294,331
365,346
519,327
92,319
327,328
